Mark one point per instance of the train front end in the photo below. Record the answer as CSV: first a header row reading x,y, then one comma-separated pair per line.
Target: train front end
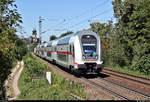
x,y
89,57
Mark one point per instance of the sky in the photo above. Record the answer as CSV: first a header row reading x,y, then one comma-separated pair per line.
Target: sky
x,y
60,16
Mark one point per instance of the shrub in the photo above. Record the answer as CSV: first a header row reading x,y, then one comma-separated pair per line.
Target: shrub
x,y
142,64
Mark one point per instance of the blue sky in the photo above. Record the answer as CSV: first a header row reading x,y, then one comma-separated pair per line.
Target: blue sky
x,y
62,15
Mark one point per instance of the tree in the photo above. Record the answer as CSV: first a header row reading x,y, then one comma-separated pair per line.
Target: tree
x,y
53,37
65,34
133,31
9,41
103,29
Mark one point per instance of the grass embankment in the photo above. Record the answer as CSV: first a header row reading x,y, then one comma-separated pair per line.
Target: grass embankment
x,y
60,89
128,71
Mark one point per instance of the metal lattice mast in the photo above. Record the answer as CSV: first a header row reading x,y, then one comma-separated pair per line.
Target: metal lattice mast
x,y
40,28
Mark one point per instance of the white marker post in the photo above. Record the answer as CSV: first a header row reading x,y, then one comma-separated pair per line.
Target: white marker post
x,y
48,77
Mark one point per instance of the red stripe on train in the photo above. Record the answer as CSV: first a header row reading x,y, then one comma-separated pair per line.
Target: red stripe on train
x,y
63,52
60,52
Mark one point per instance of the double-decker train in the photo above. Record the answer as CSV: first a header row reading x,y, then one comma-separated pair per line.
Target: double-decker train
x,y
80,52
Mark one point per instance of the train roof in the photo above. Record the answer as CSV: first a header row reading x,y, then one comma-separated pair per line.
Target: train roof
x,y
66,39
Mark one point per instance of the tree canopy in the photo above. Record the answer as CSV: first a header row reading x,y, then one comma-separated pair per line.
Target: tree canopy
x,y
134,31
11,46
65,34
53,37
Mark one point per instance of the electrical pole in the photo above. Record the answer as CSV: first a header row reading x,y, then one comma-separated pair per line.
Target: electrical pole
x,y
40,29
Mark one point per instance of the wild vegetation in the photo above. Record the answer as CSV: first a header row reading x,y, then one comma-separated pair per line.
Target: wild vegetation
x,y
126,43
12,48
65,34
60,89
53,37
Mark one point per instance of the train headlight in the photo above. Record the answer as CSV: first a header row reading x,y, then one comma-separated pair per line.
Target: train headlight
x,y
96,56
75,66
84,57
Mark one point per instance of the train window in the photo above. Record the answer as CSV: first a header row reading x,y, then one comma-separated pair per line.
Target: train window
x,y
89,43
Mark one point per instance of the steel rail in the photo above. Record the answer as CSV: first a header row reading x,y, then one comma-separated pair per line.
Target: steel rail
x,y
100,86
127,77
129,89
127,74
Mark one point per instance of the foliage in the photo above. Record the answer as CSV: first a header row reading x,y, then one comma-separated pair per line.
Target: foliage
x,y
142,64
11,47
21,48
60,88
105,30
134,33
33,68
34,45
114,55
53,37
65,34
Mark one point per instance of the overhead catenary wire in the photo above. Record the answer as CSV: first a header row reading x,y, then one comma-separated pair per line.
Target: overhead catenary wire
x,y
85,12
79,23
101,13
89,10
89,21
54,27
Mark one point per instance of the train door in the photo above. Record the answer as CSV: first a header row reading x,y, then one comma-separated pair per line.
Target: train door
x,y
45,52
55,53
72,51
67,55
68,59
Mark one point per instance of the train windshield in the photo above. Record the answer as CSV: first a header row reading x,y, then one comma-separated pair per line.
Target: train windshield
x,y
89,44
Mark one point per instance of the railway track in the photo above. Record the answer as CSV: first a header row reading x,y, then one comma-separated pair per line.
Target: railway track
x,y
126,93
132,94
116,89
108,90
126,88
127,76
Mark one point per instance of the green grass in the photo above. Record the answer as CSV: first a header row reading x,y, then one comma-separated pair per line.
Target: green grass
x,y
127,70
60,89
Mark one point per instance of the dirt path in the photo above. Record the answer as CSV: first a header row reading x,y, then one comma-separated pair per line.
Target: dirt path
x,y
15,78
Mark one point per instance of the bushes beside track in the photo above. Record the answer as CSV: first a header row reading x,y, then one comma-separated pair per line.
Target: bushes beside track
x,y
60,89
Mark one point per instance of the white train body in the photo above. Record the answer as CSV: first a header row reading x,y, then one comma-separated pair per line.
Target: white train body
x,y
80,52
